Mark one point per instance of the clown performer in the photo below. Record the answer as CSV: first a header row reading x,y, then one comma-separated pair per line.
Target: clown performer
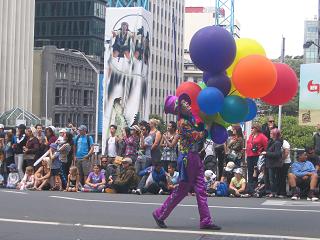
x,y
190,166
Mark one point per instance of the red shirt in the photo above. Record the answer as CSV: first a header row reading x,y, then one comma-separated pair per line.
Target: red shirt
x,y
260,140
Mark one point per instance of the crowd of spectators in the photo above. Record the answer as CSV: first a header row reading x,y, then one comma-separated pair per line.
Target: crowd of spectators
x,y
142,160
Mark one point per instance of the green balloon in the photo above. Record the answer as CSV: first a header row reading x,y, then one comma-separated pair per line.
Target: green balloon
x,y
207,119
219,120
202,85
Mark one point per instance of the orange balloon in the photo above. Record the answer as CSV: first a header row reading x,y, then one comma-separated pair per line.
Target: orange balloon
x,y
254,76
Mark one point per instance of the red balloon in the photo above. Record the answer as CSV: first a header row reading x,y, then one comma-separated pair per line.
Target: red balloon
x,y
193,90
286,87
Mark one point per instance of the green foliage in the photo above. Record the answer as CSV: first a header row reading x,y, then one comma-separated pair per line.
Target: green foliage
x,y
298,136
162,126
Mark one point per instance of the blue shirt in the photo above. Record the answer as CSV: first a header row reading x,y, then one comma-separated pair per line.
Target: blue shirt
x,y
82,145
301,169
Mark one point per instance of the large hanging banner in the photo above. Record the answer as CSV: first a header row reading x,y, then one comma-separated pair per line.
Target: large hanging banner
x,y
126,67
309,99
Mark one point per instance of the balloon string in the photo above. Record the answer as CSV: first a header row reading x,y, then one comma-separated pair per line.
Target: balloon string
x,y
233,92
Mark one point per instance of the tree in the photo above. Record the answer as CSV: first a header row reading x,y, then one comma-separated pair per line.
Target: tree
x,y
162,126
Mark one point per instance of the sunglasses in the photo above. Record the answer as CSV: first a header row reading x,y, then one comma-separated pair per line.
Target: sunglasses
x,y
271,121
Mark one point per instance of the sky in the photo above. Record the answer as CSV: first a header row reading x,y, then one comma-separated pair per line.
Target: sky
x,y
268,20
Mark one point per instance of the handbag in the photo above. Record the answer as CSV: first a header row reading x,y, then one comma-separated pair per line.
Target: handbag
x,y
232,156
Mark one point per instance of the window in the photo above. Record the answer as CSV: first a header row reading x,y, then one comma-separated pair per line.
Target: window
x,y
57,120
85,119
86,97
58,96
72,97
91,98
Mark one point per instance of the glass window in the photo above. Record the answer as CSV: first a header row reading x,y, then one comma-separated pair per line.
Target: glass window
x,y
82,8
70,9
57,120
58,96
75,8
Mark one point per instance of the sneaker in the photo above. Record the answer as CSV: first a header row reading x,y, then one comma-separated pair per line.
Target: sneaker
x,y
161,191
138,192
295,197
159,222
245,195
211,227
312,197
133,191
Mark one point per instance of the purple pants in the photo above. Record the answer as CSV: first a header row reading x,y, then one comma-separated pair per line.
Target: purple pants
x,y
195,171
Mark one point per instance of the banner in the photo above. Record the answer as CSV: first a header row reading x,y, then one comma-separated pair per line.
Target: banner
x,y
100,106
126,67
309,98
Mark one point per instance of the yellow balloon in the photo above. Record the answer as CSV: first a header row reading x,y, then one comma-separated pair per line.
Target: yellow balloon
x,y
245,47
234,91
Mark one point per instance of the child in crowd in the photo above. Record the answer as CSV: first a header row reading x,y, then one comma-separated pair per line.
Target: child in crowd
x,y
172,177
28,179
73,180
237,185
260,190
210,181
13,178
55,166
42,175
227,173
96,180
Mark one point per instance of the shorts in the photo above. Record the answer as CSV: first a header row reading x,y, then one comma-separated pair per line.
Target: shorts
x,y
302,182
84,166
55,172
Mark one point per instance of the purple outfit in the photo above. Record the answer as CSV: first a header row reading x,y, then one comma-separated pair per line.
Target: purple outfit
x,y
193,170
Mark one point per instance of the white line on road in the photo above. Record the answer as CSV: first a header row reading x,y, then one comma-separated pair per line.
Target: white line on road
x,y
177,231
6,191
188,205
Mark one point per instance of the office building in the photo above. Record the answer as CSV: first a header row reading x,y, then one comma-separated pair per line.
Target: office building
x,y
311,54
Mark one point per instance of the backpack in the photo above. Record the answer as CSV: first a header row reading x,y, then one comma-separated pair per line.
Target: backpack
x,y
222,190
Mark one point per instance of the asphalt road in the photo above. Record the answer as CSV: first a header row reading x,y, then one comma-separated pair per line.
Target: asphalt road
x,y
82,216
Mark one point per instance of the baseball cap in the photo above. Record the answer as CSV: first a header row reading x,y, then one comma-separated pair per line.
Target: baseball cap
x,y
127,160
230,166
135,127
52,128
12,166
63,130
1,126
82,128
238,170
210,173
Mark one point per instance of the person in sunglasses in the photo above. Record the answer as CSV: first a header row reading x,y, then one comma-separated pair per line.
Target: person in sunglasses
x,y
268,126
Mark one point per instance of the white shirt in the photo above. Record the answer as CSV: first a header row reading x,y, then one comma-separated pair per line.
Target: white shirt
x,y
286,145
112,149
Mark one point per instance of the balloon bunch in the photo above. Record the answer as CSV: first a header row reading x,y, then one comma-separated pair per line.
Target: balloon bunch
x,y
234,73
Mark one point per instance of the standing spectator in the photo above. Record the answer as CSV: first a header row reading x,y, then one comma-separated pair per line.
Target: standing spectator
x,y
8,150
302,173
132,143
31,149
219,150
112,145
2,133
96,181
63,149
316,140
83,147
256,144
156,137
21,141
41,138
285,168
50,137
274,161
55,167
13,178
144,158
235,147
268,126
169,145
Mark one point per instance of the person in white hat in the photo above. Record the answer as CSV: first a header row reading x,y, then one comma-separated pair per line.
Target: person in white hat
x,y
237,185
210,180
227,173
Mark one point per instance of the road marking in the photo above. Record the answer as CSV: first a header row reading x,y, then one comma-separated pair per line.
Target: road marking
x,y
7,191
177,231
187,205
291,203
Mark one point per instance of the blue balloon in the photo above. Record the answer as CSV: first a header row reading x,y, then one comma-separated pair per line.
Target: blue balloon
x,y
220,81
235,109
212,49
252,110
210,100
218,134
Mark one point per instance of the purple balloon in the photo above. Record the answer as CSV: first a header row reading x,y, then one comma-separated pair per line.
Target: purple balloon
x,y
219,134
220,81
206,76
212,49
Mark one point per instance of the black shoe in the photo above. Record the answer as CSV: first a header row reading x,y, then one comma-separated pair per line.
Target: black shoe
x,y
160,223
211,227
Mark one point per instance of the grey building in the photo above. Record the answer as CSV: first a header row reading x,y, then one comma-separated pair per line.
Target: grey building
x,y
71,87
311,34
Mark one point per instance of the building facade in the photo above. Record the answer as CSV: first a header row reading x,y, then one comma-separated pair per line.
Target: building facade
x,y
72,24
16,53
311,54
166,52
70,91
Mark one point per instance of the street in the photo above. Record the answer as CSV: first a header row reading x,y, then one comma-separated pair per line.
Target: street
x,y
81,216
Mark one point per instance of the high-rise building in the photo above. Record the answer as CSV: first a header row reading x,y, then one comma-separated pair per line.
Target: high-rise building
x,y
16,53
167,52
72,24
311,34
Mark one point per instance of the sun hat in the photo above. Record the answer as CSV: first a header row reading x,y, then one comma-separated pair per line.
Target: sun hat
x,y
230,166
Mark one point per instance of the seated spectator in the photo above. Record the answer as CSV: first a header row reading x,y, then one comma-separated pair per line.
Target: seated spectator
x,y
55,166
237,185
227,173
210,181
153,180
42,175
108,168
303,172
28,180
13,177
126,180
172,177
73,182
96,180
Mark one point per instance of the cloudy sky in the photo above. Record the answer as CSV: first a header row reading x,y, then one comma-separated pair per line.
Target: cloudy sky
x,y
267,20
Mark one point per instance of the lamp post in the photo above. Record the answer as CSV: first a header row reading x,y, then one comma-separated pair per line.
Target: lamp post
x,y
97,95
309,43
